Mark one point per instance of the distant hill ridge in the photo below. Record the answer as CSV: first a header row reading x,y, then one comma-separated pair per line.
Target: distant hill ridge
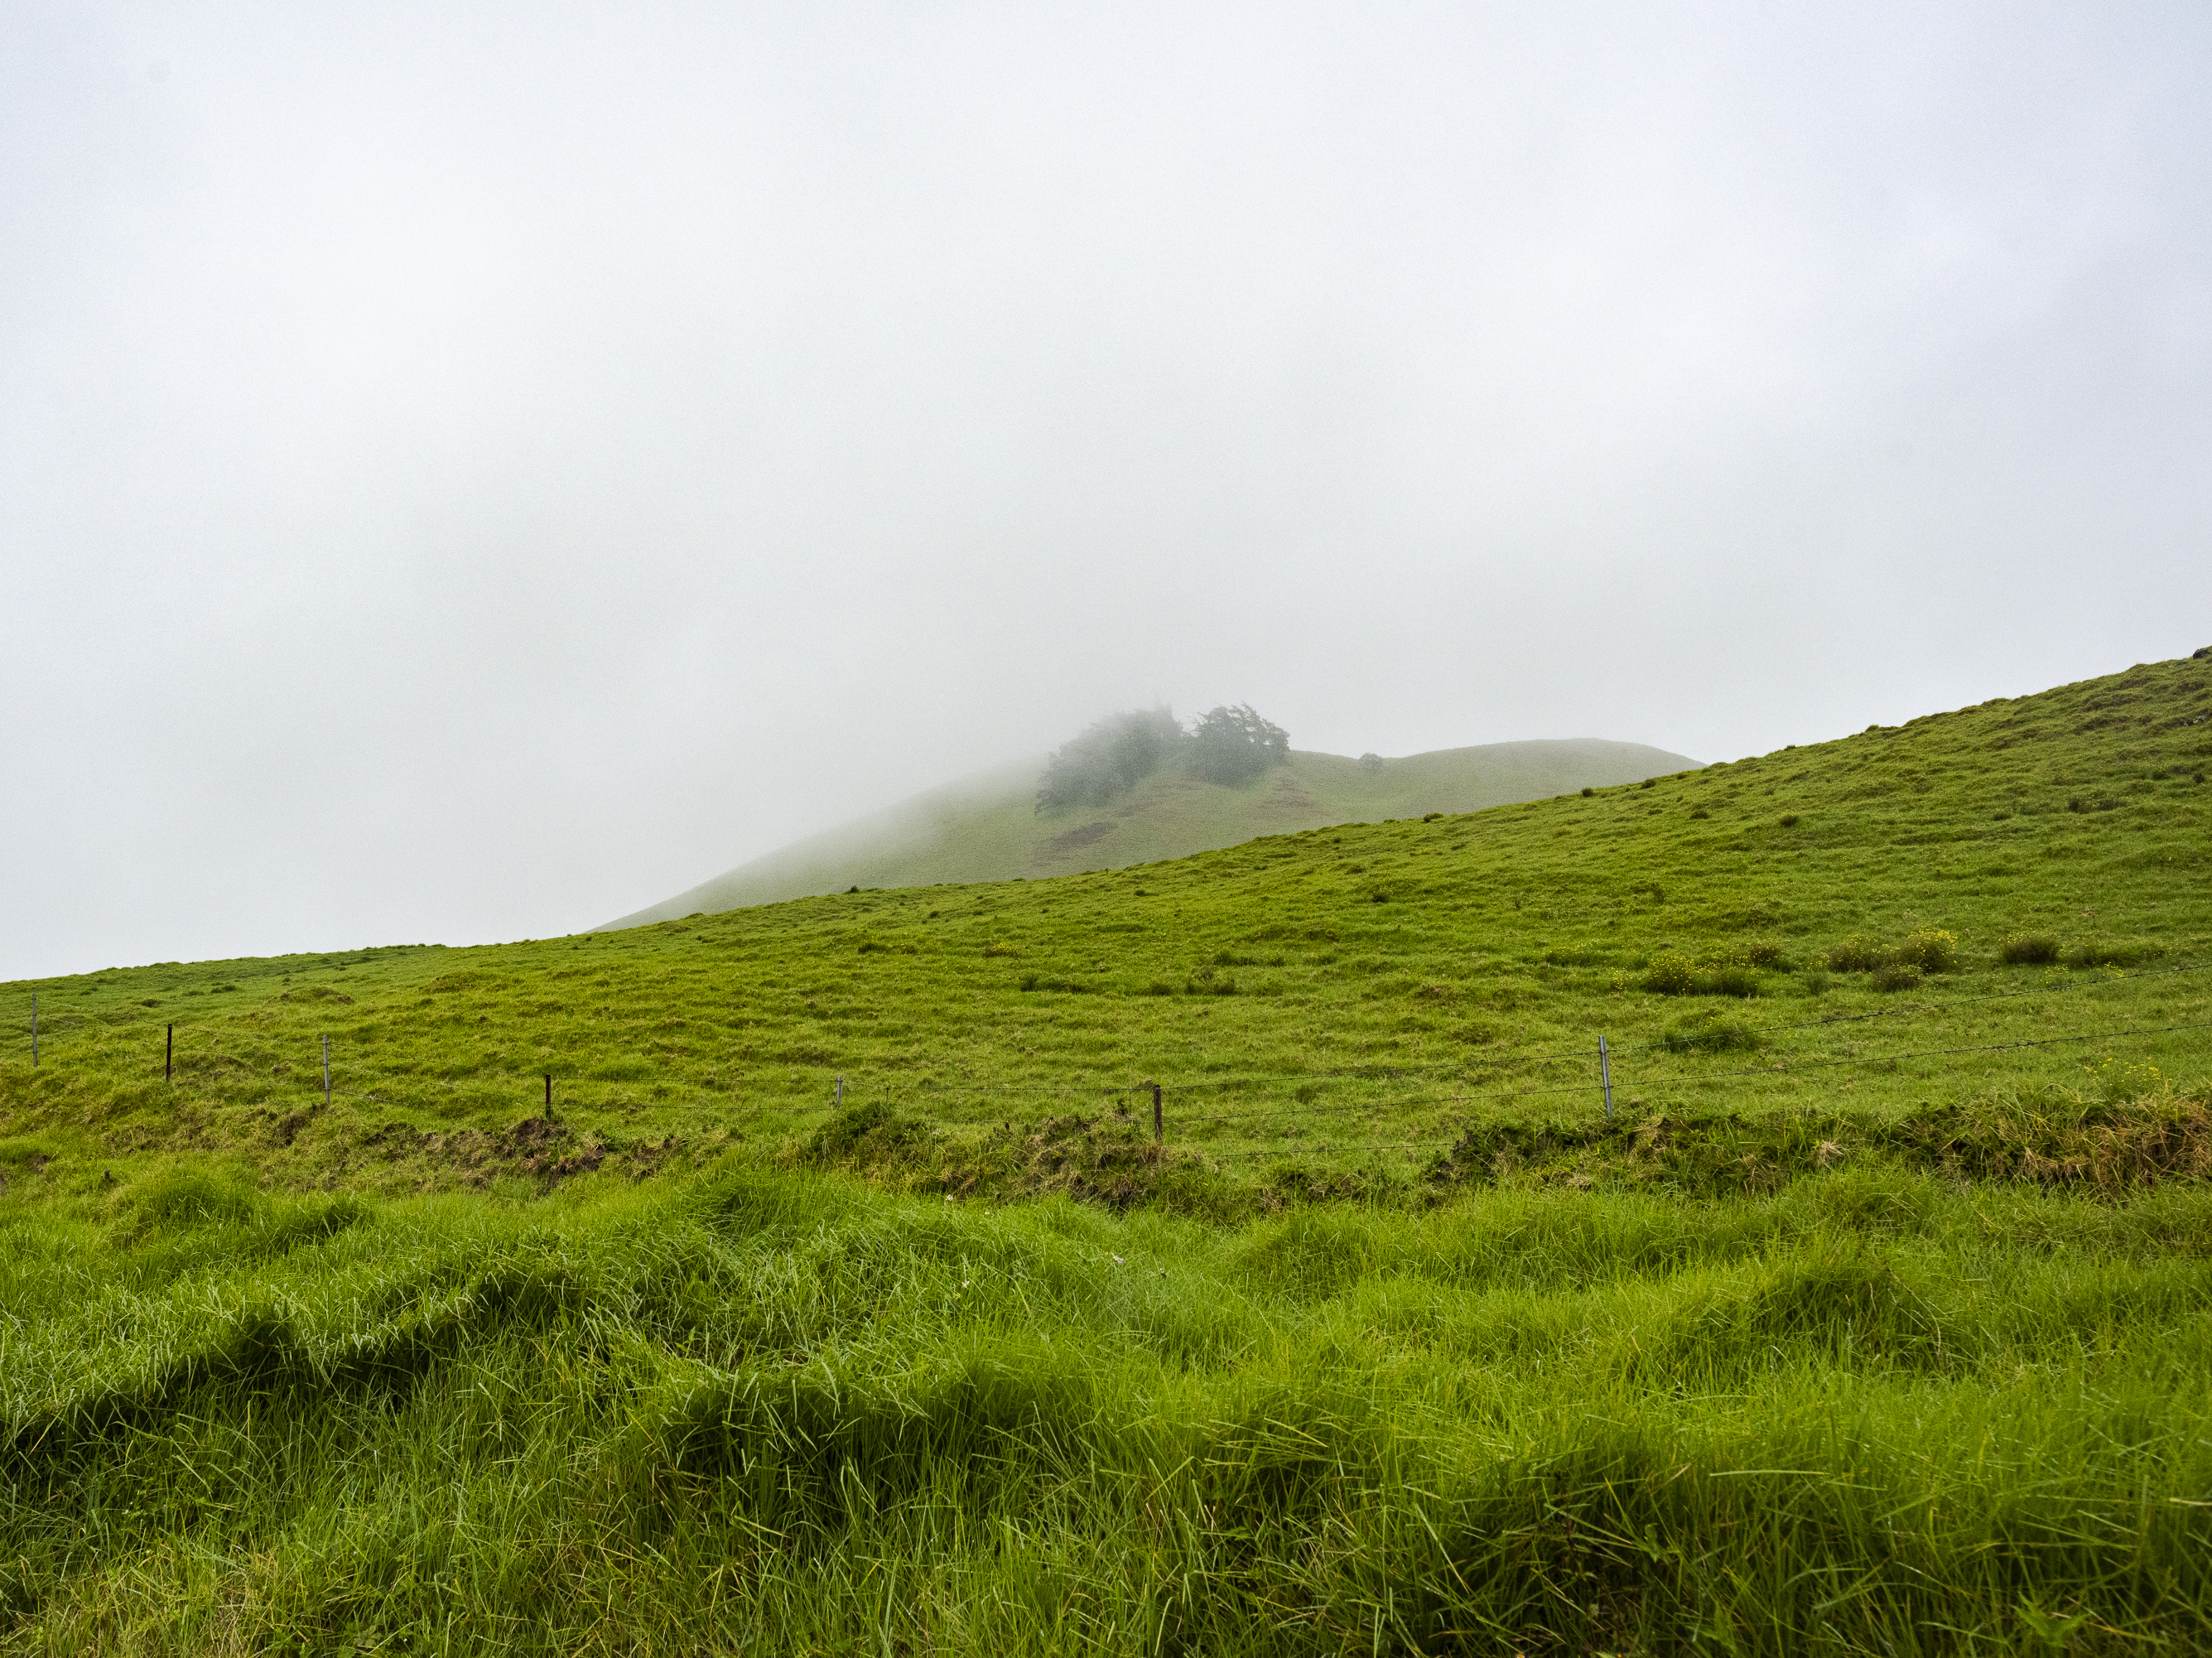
x,y
988,827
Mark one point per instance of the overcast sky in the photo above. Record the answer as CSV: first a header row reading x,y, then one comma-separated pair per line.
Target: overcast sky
x,y
469,472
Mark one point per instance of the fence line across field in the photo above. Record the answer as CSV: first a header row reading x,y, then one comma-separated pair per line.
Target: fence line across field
x,y
1391,1072
1601,1085
1191,1085
1187,1086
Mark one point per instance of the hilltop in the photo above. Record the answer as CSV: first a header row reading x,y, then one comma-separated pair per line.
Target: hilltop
x,y
986,828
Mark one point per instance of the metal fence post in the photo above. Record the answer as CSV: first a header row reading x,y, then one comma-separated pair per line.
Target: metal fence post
x,y
1605,1075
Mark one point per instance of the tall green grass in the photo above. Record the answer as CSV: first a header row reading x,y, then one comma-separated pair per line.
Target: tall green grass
x,y
1876,1413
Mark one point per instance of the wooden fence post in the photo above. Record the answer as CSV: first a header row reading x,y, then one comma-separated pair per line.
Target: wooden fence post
x,y
1159,1133
169,1057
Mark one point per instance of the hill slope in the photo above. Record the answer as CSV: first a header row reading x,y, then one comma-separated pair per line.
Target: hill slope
x,y
1474,948
986,828
1874,1316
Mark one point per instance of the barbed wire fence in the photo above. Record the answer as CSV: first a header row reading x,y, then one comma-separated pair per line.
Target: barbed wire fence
x,y
1595,1084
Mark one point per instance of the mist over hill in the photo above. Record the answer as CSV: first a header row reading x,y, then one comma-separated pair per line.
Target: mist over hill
x,y
1005,825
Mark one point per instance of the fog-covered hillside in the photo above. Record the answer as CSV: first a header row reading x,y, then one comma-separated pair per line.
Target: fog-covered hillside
x,y
988,827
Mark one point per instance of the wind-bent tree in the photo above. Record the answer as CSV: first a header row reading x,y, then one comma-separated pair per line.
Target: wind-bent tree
x,y
1109,759
1235,745
1226,745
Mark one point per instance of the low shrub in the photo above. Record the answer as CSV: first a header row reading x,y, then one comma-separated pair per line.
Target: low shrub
x,y
1733,979
1857,954
2029,950
1897,975
1926,950
1932,950
1681,975
1767,953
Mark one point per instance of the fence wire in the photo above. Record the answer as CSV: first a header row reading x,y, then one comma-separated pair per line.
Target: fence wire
x,y
568,1087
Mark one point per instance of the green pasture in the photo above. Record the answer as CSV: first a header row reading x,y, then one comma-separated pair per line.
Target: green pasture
x,y
1353,996
1873,1319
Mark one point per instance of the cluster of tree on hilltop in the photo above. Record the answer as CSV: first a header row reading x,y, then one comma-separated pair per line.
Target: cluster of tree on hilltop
x,y
1228,746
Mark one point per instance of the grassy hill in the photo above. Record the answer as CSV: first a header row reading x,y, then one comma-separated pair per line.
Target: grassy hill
x,y
1876,1316
985,828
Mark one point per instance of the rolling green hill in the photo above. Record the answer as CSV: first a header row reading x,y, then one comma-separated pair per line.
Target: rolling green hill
x,y
1458,945
844,1301
985,828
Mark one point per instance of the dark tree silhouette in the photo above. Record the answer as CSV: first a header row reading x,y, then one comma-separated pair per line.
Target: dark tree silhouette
x,y
1111,758
1235,745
